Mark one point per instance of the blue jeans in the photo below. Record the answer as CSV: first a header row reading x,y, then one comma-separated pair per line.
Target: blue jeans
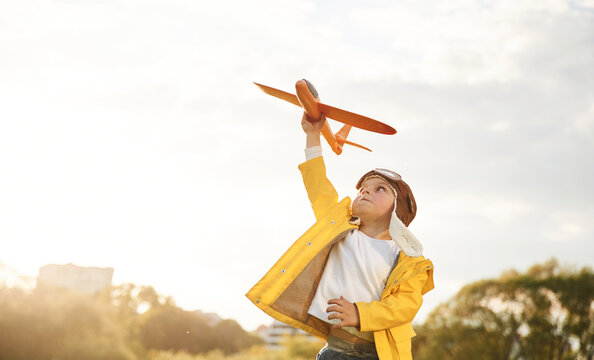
x,y
328,354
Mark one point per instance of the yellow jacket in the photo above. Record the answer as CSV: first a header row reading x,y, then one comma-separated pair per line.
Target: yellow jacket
x,y
287,289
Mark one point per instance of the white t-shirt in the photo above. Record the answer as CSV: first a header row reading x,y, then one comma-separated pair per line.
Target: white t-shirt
x,y
357,268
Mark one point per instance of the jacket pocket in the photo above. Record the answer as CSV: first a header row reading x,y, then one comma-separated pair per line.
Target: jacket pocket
x,y
404,349
402,333
401,343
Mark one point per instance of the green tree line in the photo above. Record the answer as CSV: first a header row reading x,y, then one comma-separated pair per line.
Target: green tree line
x,y
546,313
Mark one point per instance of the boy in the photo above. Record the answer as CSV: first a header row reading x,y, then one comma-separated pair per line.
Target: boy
x,y
357,276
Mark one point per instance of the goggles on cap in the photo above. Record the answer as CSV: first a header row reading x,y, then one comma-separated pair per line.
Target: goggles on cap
x,y
389,174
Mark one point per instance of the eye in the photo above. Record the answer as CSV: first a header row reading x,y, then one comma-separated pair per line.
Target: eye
x,y
381,188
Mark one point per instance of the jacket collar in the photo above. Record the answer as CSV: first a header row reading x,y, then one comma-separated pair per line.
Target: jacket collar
x,y
402,236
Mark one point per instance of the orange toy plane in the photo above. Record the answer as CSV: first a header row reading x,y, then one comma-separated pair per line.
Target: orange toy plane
x,y
308,99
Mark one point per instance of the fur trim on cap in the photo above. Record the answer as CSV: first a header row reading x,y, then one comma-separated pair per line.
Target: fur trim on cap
x,y
404,238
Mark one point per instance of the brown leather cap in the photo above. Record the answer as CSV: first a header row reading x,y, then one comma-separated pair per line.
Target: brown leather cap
x,y
406,206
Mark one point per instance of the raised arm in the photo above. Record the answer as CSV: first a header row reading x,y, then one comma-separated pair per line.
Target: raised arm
x,y
320,190
312,131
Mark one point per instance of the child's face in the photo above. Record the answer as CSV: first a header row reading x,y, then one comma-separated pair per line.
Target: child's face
x,y
374,201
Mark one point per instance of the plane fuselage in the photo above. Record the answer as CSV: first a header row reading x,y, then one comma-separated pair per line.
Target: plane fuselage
x,y
309,99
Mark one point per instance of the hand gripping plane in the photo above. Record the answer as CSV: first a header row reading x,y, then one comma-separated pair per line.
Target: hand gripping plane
x,y
308,99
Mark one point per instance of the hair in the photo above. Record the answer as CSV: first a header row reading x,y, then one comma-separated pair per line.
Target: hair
x,y
406,206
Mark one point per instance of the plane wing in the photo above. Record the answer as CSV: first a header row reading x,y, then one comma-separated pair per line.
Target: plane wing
x,y
279,94
346,117
356,120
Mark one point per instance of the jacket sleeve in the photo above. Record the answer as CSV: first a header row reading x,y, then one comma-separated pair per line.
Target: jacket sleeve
x,y
320,190
397,309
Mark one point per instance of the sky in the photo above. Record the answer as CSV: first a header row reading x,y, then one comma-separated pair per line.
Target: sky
x,y
132,137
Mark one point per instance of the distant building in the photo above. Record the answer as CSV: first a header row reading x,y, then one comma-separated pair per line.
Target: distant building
x,y
73,277
278,332
211,318
261,331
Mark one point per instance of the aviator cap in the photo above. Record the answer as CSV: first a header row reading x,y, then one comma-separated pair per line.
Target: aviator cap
x,y
406,207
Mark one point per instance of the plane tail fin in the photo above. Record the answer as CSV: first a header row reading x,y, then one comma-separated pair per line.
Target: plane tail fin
x,y
343,133
357,145
341,138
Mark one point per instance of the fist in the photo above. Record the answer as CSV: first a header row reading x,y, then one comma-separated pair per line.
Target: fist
x,y
310,126
344,310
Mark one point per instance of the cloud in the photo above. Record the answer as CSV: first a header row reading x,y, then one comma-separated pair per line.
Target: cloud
x,y
584,124
566,226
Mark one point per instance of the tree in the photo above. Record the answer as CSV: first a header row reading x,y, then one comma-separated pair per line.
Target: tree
x,y
546,313
59,324
232,338
167,327
56,323
171,328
